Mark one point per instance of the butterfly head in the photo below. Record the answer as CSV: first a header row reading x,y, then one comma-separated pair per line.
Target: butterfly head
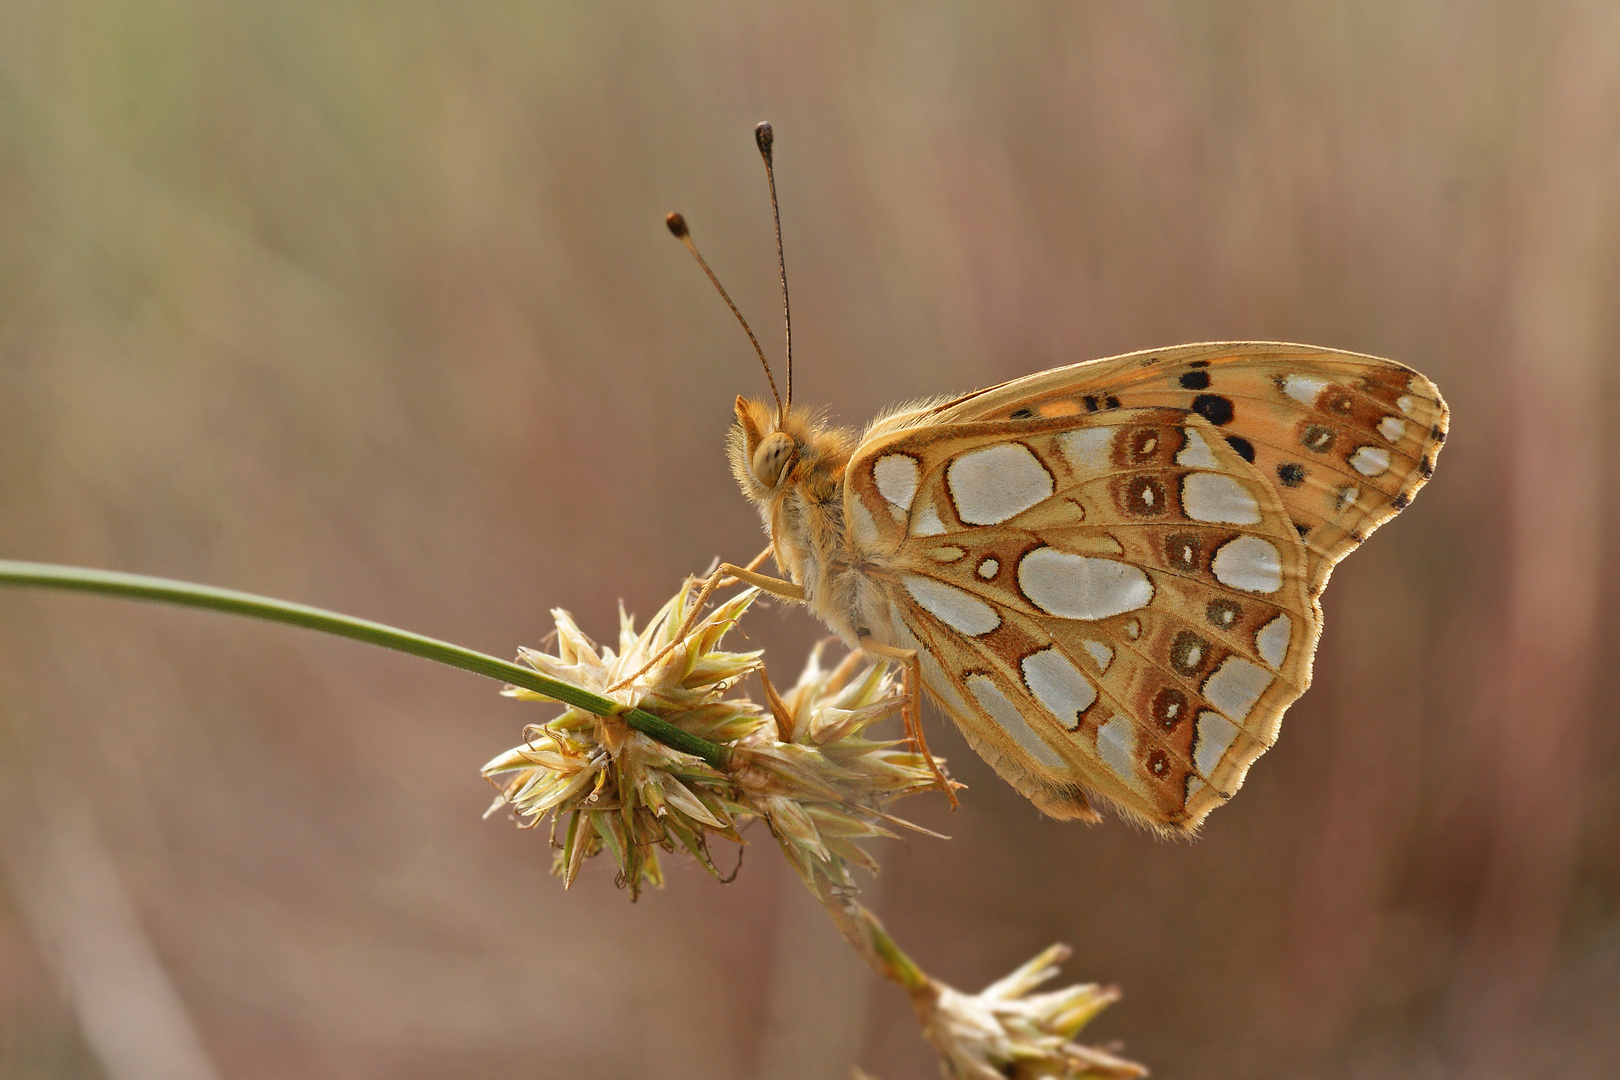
x,y
771,453
762,452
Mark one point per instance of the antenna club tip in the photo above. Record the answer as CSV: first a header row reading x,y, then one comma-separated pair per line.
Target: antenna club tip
x,y
677,225
764,137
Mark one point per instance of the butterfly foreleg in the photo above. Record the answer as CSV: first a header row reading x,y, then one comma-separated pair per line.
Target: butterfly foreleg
x,y
911,711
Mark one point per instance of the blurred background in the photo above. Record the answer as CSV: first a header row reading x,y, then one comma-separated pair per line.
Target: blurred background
x,y
371,306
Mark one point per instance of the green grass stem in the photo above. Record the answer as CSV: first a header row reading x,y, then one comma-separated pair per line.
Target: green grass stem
x,y
230,601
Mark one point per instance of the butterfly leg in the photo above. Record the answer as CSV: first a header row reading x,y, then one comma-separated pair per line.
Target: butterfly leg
x,y
723,575
726,572
911,712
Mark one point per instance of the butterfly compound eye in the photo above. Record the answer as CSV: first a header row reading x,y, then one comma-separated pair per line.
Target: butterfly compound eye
x,y
772,458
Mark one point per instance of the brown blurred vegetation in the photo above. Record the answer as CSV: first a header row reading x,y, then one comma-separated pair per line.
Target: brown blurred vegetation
x,y
371,306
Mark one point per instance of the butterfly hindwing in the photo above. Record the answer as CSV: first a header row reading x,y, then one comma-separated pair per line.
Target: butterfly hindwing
x,y
1110,604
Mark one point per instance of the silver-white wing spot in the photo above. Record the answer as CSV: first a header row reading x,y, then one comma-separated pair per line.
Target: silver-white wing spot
x,y
1086,450
1392,428
1116,745
1406,403
989,568
1303,388
866,532
896,476
1207,496
1271,640
1006,714
1214,734
1058,685
1235,686
946,553
1370,460
961,611
994,483
1081,587
927,523
1248,563
1196,454
1100,653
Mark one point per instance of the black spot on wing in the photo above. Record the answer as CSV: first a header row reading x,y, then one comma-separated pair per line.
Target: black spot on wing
x,y
1243,446
1214,408
1291,473
1195,380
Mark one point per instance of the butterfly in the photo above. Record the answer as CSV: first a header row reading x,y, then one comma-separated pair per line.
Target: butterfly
x,y
1107,574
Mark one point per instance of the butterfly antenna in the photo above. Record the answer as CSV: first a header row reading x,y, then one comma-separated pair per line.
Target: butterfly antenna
x,y
764,138
677,226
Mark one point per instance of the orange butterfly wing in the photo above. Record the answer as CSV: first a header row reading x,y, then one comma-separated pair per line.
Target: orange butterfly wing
x,y
1107,589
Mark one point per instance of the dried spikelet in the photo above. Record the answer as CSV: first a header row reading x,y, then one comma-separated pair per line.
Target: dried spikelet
x,y
820,784
1005,1031
804,767
617,789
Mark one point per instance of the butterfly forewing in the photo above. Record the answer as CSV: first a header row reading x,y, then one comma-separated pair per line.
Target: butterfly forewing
x,y
1345,439
1116,604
